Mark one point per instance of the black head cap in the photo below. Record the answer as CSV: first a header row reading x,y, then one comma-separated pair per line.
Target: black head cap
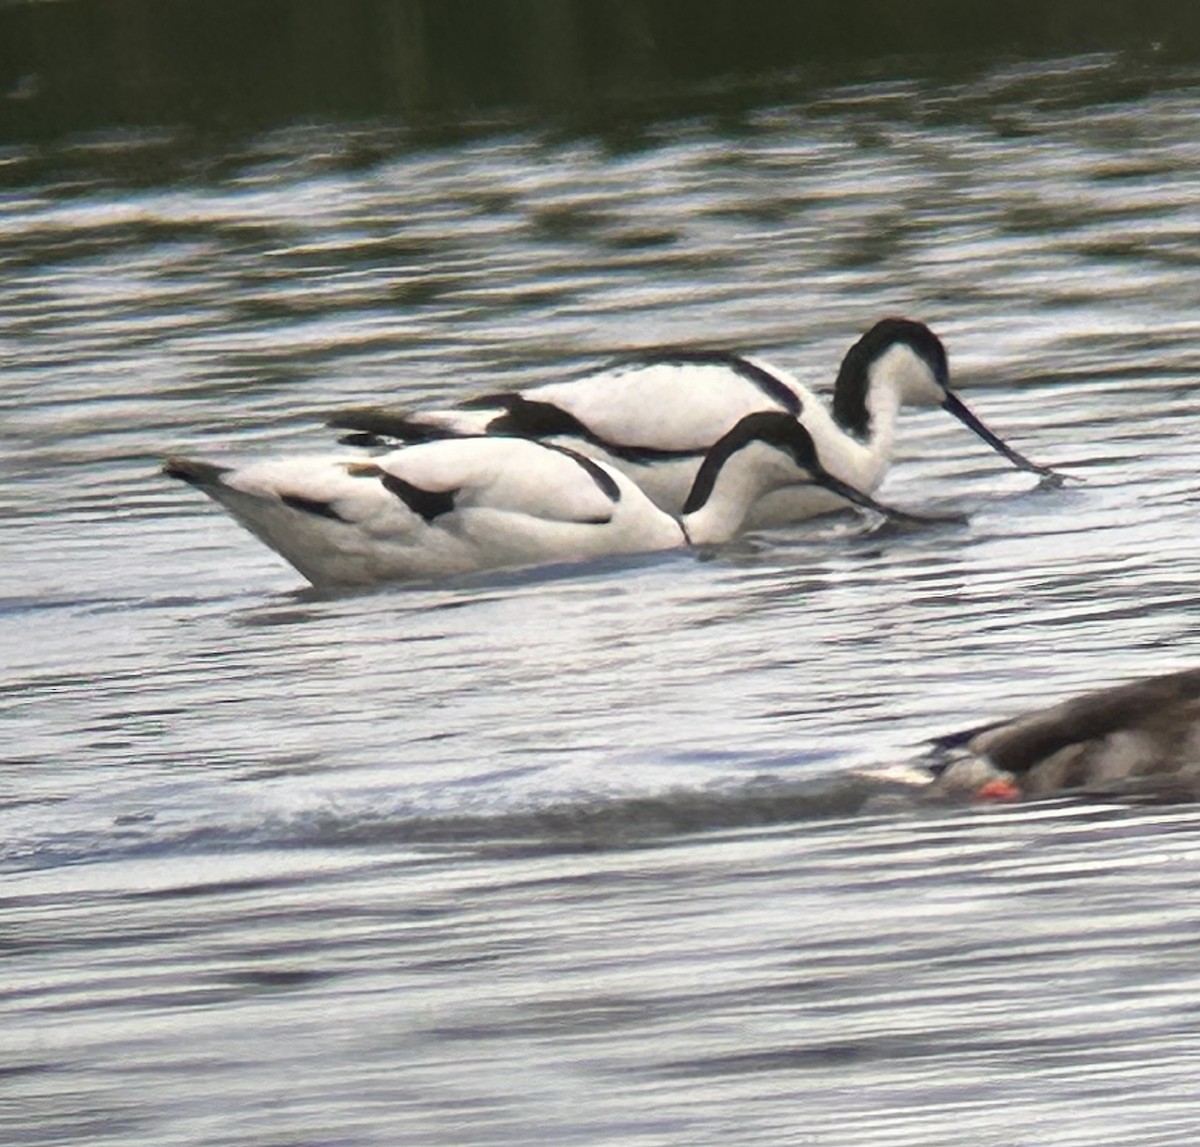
x,y
790,436
773,427
850,390
781,430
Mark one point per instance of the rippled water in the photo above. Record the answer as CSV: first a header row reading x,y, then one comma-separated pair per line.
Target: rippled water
x,y
586,857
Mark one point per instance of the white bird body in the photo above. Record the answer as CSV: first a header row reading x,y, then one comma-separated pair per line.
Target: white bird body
x,y
656,419
634,419
674,405
456,505
508,502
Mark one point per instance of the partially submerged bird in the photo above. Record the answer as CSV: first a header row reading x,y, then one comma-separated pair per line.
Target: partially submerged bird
x,y
1141,739
655,416
456,505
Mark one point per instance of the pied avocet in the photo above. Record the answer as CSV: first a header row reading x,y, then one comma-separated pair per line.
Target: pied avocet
x,y
654,416
472,503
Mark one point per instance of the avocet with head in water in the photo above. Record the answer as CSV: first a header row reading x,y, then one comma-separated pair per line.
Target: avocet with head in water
x,y
457,505
655,416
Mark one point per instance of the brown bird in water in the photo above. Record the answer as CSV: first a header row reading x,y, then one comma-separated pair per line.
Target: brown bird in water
x,y
1139,740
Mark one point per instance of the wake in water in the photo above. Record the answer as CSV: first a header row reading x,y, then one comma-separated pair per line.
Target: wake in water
x,y
589,822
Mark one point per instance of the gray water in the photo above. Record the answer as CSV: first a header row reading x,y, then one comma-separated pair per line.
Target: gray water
x,y
587,856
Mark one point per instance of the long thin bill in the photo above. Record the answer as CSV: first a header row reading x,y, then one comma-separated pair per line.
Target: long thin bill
x,y
955,405
866,502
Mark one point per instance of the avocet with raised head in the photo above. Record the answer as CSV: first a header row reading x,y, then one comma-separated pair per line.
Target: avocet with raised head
x,y
456,505
655,416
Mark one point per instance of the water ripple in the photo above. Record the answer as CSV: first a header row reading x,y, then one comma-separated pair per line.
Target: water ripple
x,y
591,855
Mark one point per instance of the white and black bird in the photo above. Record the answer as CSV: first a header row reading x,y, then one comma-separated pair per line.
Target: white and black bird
x,y
655,416
457,505
1138,740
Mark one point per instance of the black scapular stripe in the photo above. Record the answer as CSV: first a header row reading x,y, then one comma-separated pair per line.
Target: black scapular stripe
x,y
774,388
529,418
603,479
311,506
496,401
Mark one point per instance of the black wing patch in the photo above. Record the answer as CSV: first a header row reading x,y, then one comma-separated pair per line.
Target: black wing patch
x,y
366,441
429,504
193,472
374,422
311,506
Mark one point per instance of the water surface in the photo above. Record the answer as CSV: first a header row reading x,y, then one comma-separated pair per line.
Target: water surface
x,y
585,857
